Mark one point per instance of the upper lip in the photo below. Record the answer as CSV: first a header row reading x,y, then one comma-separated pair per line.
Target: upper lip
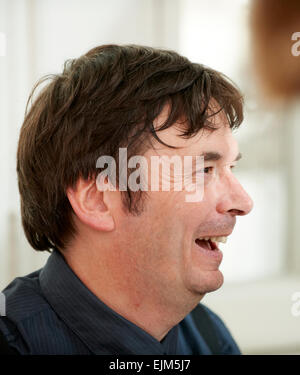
x,y
215,235
224,228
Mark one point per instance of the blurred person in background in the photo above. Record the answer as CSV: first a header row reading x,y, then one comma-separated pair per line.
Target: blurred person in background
x,y
275,26
127,268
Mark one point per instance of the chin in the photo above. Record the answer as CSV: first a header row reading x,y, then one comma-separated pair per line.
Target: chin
x,y
208,282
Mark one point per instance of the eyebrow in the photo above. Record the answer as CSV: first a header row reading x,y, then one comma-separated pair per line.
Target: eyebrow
x,y
215,156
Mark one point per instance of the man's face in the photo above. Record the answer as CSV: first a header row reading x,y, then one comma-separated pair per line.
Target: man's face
x,y
163,239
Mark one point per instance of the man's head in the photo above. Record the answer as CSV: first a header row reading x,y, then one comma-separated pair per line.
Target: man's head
x,y
152,102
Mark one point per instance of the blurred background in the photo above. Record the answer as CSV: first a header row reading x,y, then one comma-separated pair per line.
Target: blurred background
x,y
261,263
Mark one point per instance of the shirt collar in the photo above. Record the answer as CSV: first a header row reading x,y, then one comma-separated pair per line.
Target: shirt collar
x,y
102,329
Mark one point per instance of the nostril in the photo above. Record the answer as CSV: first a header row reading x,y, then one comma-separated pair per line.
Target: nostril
x,y
236,212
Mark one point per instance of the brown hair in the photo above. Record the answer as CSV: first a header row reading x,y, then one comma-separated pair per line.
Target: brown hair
x,y
106,99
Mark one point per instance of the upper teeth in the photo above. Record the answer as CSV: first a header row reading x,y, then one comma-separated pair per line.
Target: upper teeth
x,y
215,239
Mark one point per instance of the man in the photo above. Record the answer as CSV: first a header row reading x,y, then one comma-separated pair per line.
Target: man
x,y
128,266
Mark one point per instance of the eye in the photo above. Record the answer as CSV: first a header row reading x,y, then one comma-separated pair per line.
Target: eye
x,y
208,170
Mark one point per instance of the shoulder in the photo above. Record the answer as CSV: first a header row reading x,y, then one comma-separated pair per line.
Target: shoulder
x,y
23,297
30,325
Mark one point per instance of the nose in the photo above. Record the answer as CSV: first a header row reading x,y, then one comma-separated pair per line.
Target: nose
x,y
234,199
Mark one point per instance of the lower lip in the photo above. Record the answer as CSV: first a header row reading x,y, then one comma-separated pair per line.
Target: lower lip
x,y
215,254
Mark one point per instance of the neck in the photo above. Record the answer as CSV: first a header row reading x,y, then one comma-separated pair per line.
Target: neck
x,y
114,276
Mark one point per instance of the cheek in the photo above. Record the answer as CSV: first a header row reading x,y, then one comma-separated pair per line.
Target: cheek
x,y
192,214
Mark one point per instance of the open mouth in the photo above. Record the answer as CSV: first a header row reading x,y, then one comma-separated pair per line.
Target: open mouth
x,y
206,244
210,243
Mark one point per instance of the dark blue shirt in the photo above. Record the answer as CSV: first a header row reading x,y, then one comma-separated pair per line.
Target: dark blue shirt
x,y
51,311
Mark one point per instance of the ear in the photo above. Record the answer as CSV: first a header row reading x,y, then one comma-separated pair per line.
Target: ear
x,y
90,206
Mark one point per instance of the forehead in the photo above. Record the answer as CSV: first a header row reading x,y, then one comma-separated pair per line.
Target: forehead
x,y
220,140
